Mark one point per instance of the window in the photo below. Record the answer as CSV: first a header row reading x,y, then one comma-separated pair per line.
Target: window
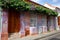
x,y
33,20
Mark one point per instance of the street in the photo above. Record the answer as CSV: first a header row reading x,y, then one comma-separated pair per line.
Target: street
x,y
52,37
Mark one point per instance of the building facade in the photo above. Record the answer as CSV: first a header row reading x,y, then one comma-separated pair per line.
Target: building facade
x,y
58,10
25,23
54,9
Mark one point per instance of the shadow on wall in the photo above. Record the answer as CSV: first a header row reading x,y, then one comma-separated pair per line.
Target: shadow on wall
x,y
50,39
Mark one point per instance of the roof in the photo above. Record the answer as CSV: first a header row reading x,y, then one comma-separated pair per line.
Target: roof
x,y
36,3
52,6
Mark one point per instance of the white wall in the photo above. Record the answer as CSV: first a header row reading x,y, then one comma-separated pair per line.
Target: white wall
x,y
58,10
58,14
46,5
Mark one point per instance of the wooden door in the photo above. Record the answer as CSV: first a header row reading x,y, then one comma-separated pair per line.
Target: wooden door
x,y
59,20
13,22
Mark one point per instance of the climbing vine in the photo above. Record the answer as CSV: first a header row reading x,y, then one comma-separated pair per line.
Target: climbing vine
x,y
24,6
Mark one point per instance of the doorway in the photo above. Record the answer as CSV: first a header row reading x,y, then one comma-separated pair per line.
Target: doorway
x,y
59,21
13,21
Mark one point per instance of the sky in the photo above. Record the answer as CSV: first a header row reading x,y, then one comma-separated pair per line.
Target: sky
x,y
52,2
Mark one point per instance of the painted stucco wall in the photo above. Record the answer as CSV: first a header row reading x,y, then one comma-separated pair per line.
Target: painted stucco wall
x,y
24,17
0,18
39,24
51,23
4,34
0,24
55,9
57,18
42,23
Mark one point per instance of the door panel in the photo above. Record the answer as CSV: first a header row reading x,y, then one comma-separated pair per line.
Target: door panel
x,y
59,20
17,22
13,22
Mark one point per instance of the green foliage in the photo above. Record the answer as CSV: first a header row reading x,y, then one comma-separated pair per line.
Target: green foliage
x,y
46,11
23,6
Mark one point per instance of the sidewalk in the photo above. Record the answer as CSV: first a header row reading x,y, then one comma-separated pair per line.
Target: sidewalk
x,y
34,37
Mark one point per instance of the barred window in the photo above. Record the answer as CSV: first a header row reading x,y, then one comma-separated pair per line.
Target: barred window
x,y
33,20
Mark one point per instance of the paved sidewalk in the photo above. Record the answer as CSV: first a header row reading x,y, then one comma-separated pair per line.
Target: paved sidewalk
x,y
33,37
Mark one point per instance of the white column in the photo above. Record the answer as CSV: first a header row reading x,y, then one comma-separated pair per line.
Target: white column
x,y
57,27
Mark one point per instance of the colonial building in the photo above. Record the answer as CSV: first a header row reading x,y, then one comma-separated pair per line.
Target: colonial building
x,y
26,23
57,9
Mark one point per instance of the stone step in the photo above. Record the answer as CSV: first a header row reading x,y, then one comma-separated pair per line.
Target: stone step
x,y
14,35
